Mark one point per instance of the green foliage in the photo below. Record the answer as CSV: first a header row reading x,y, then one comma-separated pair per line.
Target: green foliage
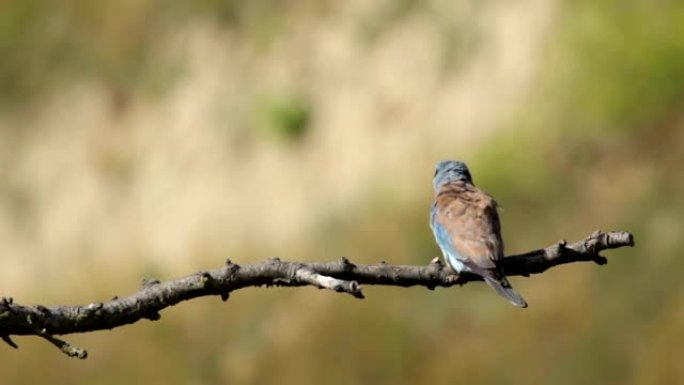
x,y
46,44
284,118
620,64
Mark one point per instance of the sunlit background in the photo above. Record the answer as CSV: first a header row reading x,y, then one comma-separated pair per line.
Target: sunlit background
x,y
153,139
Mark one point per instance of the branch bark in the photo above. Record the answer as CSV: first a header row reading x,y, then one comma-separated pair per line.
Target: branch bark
x,y
341,276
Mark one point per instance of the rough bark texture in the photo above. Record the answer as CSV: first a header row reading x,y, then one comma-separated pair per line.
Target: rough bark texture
x,y
341,276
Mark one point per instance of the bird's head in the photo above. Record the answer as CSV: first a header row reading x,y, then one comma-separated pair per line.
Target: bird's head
x,y
449,171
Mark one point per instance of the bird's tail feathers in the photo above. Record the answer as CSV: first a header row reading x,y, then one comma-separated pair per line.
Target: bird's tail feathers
x,y
503,287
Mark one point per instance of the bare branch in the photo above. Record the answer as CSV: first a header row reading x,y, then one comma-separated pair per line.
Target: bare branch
x,y
340,276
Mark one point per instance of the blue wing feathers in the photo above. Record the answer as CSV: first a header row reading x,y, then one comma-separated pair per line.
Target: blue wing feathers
x,y
444,241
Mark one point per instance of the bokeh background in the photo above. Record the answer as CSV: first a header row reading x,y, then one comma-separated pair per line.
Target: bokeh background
x,y
144,138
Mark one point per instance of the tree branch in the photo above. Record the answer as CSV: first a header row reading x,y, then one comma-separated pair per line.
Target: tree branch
x,y
340,276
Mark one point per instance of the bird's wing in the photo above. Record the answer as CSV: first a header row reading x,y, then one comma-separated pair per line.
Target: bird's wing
x,y
467,221
443,237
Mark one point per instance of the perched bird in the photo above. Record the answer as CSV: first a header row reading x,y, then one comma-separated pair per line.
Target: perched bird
x,y
466,225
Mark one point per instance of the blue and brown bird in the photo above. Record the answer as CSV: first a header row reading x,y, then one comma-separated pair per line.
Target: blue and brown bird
x,y
466,225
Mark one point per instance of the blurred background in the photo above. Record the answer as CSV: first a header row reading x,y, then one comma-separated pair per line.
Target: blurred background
x,y
142,138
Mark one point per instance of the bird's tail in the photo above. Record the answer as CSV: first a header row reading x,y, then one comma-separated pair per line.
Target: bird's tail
x,y
503,287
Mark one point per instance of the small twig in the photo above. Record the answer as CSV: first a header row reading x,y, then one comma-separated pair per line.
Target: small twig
x,y
9,341
309,277
65,347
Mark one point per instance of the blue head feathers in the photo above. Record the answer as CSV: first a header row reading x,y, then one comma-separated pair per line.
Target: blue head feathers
x,y
450,170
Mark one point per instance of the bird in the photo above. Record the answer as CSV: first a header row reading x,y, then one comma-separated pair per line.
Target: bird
x,y
465,223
